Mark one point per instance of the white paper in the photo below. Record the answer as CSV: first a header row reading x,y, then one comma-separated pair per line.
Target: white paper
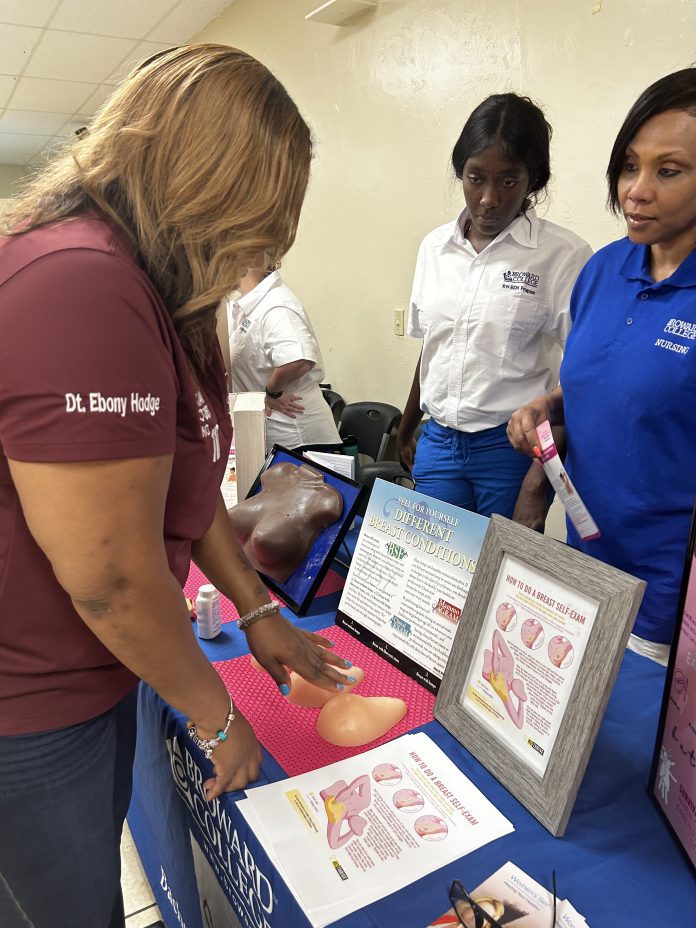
x,y
355,831
531,645
228,487
343,464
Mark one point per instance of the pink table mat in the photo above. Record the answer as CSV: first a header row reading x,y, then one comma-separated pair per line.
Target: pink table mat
x,y
332,583
289,732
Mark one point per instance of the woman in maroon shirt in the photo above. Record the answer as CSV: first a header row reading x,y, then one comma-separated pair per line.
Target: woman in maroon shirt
x,y
114,433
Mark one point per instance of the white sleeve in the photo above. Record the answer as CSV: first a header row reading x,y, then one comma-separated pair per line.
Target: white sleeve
x,y
417,323
558,322
287,338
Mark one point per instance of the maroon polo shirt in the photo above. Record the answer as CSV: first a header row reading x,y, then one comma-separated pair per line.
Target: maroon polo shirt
x,y
91,369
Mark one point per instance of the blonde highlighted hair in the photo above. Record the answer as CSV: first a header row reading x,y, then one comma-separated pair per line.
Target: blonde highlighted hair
x,y
203,158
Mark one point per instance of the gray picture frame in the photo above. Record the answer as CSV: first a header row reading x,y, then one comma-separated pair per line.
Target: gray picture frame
x,y
549,798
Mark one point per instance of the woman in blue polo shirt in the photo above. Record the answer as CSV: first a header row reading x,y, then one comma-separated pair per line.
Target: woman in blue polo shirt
x,y
490,300
628,379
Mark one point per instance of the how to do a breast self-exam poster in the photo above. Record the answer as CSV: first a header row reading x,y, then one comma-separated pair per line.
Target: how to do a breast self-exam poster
x,y
530,648
675,774
409,579
355,831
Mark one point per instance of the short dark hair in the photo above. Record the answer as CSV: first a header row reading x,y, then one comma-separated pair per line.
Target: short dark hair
x,y
516,127
677,91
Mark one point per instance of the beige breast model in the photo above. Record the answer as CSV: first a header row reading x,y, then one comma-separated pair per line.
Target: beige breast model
x,y
351,720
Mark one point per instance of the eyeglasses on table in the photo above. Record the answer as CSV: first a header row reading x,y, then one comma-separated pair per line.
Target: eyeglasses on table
x,y
472,915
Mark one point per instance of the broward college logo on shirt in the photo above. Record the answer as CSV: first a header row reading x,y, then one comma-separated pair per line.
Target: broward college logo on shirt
x,y
681,329
520,280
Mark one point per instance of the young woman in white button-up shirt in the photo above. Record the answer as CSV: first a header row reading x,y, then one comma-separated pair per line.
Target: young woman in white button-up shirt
x,y
490,301
273,348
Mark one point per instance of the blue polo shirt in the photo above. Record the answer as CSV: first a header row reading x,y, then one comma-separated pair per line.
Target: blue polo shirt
x,y
629,394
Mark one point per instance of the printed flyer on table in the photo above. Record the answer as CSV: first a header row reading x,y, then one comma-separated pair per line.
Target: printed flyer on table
x,y
411,572
355,831
512,898
527,657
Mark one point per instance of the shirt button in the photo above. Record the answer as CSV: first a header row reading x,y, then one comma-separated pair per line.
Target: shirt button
x,y
644,296
477,262
629,321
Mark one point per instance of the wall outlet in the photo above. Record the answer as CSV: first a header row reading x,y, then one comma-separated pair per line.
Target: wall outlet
x,y
399,328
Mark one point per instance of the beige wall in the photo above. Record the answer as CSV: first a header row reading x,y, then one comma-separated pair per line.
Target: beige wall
x,y
386,98
11,177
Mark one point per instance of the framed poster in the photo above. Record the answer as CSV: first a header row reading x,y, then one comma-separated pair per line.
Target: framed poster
x,y
673,775
409,579
292,523
533,664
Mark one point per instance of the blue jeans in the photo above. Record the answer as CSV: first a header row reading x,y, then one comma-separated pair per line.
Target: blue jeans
x,y
63,797
479,471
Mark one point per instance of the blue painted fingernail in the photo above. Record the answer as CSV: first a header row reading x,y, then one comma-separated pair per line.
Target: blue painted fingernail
x,y
331,643
284,689
339,686
351,679
348,663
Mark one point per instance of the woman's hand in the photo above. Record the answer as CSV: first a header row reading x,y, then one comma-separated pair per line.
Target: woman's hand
x,y
406,449
287,404
405,440
532,504
236,762
281,379
522,427
279,646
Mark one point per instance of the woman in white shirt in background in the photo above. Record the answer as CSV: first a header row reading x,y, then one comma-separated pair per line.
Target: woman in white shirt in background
x,y
273,349
490,301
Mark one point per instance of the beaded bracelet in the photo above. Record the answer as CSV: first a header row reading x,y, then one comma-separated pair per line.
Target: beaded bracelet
x,y
208,745
251,617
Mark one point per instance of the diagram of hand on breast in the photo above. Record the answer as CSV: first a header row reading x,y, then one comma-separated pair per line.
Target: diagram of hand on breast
x,y
278,526
343,803
499,670
505,616
387,773
560,652
408,800
532,634
431,827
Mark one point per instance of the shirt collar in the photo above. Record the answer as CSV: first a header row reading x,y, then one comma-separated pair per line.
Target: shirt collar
x,y
636,266
524,230
248,303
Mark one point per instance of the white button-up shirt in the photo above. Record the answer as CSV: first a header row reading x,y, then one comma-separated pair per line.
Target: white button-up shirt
x,y
268,327
493,323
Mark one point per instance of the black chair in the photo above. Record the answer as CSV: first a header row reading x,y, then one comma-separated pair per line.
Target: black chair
x,y
385,470
336,403
370,424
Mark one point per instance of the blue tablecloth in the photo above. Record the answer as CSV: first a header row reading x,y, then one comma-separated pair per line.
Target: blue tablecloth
x,y
617,862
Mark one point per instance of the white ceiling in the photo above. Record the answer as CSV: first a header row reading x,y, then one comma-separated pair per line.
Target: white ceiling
x,y
59,60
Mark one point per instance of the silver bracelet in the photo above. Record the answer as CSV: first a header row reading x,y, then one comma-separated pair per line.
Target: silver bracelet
x,y
208,745
246,620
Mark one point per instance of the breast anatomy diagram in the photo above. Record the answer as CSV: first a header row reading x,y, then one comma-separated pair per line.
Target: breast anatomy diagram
x,y
499,670
531,642
348,807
